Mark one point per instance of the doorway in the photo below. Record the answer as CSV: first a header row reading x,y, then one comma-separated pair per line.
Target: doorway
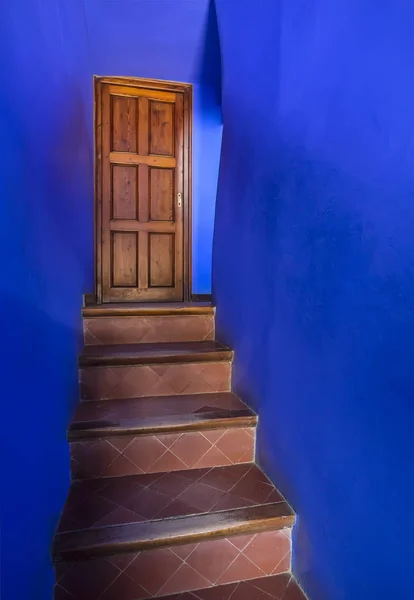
x,y
143,139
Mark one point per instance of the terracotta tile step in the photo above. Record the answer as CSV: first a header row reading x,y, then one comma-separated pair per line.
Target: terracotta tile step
x,y
145,309
138,498
127,329
193,529
142,381
116,456
274,587
165,353
174,569
159,414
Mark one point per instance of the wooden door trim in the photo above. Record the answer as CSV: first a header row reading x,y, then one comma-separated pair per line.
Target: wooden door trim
x,y
187,90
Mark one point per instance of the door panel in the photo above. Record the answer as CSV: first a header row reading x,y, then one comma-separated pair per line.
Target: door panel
x,y
143,203
162,194
161,128
124,192
161,261
124,124
124,259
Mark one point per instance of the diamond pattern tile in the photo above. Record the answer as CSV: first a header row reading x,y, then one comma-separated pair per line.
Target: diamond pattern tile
x,y
165,571
130,479
143,497
277,587
129,455
132,330
137,381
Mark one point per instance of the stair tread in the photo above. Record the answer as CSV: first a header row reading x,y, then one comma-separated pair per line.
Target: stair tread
x,y
273,587
154,353
144,309
138,536
138,498
159,413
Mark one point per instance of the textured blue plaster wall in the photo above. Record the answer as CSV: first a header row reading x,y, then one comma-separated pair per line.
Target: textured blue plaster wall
x,y
45,237
173,40
313,273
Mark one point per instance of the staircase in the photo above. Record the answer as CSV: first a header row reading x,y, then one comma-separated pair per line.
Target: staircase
x,y
166,500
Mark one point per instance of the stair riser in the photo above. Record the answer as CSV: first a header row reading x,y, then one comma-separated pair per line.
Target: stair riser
x,y
152,328
129,455
163,571
138,381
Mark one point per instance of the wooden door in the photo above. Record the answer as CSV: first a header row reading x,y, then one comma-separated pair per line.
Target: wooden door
x,y
143,188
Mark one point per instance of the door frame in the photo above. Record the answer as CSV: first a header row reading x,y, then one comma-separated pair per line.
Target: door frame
x,y
171,86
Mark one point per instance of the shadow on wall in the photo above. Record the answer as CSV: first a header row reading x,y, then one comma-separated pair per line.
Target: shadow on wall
x,y
207,136
209,68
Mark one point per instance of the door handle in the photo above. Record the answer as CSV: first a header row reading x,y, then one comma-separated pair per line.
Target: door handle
x,y
179,199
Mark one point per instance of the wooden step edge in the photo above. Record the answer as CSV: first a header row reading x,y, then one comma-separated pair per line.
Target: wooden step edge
x,y
84,430
90,360
116,310
135,537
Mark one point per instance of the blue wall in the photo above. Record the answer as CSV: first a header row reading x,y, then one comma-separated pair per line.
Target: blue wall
x,y
174,40
49,52
45,232
313,273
